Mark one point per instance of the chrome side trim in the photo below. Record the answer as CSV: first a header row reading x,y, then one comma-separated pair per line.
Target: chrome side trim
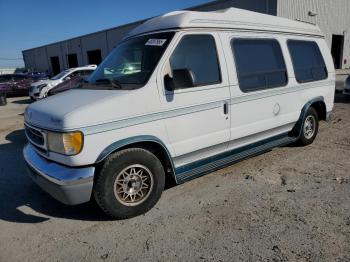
x,y
55,173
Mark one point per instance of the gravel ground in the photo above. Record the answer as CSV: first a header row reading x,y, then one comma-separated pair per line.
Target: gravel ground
x,y
291,204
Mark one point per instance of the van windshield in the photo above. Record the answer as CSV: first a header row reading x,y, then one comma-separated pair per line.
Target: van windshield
x,y
132,62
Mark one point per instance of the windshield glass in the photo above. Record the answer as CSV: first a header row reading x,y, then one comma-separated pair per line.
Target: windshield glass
x,y
133,61
60,75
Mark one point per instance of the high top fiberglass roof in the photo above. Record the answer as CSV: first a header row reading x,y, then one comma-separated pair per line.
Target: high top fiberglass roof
x,y
232,18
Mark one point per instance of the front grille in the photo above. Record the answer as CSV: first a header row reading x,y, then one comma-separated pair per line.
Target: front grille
x,y
40,149
35,136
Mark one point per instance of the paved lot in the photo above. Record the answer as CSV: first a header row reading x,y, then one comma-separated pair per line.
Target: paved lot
x,y
289,204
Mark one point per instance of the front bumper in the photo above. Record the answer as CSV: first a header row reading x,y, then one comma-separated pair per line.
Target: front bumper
x,y
71,186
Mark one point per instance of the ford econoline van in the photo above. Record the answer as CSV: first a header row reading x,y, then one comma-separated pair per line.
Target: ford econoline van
x,y
182,95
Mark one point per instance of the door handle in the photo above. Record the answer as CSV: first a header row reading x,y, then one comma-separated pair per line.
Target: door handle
x,y
226,109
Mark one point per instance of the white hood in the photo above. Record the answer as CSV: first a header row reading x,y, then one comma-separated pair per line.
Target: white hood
x,y
75,109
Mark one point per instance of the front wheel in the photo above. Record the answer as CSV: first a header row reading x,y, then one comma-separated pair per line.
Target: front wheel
x,y
130,183
310,128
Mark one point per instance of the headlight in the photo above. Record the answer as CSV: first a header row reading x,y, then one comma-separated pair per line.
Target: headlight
x,y
65,143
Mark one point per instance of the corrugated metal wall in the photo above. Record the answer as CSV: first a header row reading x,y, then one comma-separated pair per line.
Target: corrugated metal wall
x,y
332,16
38,59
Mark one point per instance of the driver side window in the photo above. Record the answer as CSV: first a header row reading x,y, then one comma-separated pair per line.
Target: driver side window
x,y
70,76
198,54
74,74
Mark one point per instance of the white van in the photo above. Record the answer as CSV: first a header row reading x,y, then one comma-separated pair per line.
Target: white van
x,y
183,95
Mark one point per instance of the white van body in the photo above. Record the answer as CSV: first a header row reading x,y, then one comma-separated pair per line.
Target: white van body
x,y
38,90
192,131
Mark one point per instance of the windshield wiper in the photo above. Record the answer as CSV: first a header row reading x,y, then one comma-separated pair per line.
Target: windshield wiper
x,y
113,82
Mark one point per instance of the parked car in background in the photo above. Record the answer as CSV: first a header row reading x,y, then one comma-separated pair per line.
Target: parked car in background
x,y
183,95
346,90
40,89
15,84
37,75
73,82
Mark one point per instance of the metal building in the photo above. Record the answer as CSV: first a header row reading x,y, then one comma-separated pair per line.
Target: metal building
x,y
331,16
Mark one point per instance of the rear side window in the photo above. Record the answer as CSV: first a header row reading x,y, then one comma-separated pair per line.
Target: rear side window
x,y
198,53
259,64
307,61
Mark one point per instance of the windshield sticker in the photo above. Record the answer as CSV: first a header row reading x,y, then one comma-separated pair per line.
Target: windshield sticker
x,y
156,42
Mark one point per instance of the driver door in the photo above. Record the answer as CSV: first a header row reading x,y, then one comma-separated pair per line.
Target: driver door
x,y
198,118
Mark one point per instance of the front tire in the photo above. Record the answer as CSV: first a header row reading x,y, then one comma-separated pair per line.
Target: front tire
x,y
309,129
130,183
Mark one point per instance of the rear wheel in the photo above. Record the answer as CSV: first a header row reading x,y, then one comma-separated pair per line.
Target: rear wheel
x,y
310,128
130,183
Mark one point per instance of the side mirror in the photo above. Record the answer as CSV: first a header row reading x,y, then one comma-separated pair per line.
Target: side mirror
x,y
182,78
67,78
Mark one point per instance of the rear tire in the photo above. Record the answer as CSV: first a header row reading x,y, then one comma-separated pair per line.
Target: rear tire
x,y
309,129
130,183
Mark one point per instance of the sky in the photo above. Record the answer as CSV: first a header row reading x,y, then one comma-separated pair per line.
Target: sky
x,y
30,23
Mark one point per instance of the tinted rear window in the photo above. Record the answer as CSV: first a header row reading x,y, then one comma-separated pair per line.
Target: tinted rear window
x,y
259,64
307,61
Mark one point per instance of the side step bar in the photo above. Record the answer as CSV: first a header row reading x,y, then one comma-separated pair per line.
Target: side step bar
x,y
208,165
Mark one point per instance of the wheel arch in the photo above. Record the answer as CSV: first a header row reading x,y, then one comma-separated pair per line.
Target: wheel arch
x,y
150,143
319,105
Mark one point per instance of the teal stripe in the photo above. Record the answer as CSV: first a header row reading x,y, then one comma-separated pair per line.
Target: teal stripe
x,y
137,120
142,119
276,92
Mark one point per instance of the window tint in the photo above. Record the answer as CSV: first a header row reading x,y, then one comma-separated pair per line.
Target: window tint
x,y
307,61
198,54
87,72
75,73
260,64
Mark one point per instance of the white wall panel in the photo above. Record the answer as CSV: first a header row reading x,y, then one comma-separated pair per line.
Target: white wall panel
x,y
332,17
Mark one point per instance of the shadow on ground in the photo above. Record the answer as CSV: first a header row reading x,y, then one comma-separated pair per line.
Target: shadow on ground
x,y
25,101
19,194
341,98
